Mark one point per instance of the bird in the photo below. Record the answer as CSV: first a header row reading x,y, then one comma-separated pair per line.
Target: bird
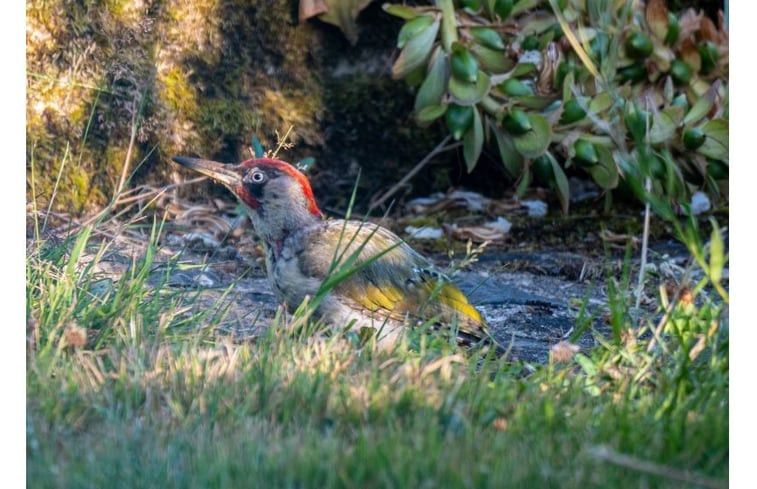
x,y
387,287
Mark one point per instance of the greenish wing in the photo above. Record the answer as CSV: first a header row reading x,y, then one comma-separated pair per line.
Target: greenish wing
x,y
399,284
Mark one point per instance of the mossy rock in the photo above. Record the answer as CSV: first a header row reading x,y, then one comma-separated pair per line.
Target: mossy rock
x,y
201,79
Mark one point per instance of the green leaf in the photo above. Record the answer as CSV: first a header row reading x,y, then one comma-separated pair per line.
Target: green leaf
x,y
605,172
524,183
536,102
416,52
522,69
412,28
588,366
465,93
563,188
459,119
716,140
401,11
449,23
534,142
77,249
567,86
430,113
463,64
717,253
523,5
511,159
515,88
601,102
435,83
487,37
491,60
534,23
473,142
664,124
701,107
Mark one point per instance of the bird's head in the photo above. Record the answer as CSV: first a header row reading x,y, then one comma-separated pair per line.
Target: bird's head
x,y
276,195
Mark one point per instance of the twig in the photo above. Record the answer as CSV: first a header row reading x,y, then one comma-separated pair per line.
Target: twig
x,y
127,159
609,455
124,170
440,148
282,141
55,188
154,191
644,242
657,333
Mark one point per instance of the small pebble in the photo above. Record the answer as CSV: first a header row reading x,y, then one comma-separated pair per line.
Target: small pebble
x,y
424,232
536,208
699,203
501,224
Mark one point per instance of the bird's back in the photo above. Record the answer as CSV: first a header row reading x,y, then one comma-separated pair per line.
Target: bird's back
x,y
384,280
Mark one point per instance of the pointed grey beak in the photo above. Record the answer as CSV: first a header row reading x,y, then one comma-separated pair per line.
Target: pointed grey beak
x,y
225,174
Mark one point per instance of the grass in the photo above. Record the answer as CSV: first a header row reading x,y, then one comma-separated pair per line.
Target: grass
x,y
128,385
131,384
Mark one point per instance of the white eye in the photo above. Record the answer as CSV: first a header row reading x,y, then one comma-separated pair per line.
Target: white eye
x,y
257,176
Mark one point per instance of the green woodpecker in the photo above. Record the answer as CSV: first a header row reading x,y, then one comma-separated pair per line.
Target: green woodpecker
x,y
393,288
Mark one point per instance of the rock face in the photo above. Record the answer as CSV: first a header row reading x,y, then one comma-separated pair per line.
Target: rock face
x,y
170,77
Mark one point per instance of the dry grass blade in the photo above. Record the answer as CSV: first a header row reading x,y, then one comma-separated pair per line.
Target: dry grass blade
x,y
609,455
575,44
440,148
150,192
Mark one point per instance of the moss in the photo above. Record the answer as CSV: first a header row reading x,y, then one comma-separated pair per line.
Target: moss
x,y
201,78
175,92
79,181
296,108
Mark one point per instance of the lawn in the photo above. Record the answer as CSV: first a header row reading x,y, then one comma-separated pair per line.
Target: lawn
x,y
132,384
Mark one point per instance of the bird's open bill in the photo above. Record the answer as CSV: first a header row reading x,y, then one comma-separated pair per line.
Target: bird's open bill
x,y
225,174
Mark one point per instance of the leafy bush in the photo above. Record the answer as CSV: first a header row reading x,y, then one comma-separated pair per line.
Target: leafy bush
x,y
568,84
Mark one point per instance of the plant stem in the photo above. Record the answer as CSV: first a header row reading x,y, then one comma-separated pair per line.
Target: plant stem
x,y
644,243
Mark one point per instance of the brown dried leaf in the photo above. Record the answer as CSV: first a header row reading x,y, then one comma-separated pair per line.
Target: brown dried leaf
x,y
563,351
661,57
478,234
657,18
690,54
503,207
689,22
549,65
723,31
342,13
619,239
708,31
75,335
500,424
311,8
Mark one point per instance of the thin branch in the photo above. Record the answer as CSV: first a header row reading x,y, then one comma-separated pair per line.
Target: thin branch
x,y
154,191
440,148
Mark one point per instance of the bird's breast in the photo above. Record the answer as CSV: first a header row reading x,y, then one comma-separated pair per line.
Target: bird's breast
x,y
287,279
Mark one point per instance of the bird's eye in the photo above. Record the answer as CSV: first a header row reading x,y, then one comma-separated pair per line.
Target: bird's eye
x,y
257,176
